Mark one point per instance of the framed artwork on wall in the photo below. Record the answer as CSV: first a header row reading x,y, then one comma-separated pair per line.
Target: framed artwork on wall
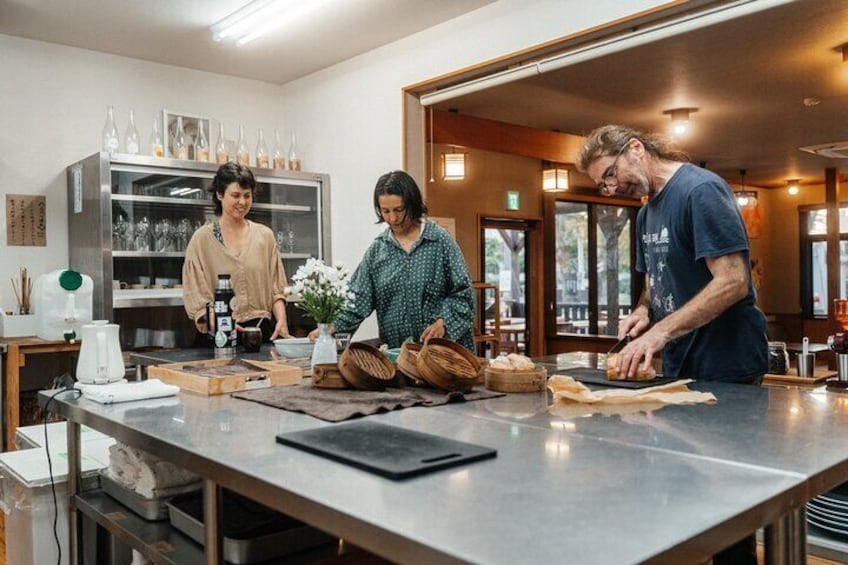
x,y
191,127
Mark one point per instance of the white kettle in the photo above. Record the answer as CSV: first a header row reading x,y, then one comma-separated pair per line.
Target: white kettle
x,y
100,359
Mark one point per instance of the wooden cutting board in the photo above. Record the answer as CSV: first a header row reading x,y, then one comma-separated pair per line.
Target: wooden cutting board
x,y
819,375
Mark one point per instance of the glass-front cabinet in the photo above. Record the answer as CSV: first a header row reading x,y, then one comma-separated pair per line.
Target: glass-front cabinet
x,y
131,218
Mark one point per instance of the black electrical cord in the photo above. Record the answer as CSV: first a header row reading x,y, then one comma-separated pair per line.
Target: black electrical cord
x,y
50,470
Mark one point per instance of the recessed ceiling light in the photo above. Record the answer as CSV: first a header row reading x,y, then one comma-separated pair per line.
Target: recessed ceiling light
x,y
811,101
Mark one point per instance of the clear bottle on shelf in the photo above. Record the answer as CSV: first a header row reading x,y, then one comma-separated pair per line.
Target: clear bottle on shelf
x,y
221,155
201,146
131,145
279,156
110,132
157,147
180,144
294,160
261,151
242,152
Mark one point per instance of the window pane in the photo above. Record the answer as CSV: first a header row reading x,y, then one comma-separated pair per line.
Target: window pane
x,y
613,233
572,279
817,222
819,270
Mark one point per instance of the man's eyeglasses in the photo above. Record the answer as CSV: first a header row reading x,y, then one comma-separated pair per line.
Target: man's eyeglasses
x,y
609,182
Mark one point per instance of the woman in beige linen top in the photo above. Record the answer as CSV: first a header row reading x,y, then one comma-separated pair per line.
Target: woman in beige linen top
x,y
232,244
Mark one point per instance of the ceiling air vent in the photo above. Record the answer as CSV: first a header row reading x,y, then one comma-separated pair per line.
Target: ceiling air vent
x,y
835,150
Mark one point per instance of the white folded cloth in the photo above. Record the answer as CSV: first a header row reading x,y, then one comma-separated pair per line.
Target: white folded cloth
x,y
148,475
123,391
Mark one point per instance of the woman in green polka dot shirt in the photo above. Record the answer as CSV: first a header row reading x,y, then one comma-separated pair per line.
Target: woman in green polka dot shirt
x,y
413,274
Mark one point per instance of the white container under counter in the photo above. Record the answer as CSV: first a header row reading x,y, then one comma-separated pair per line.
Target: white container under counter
x,y
27,500
18,326
28,437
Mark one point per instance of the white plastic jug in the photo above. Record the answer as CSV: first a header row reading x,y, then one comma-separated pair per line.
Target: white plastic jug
x,y
63,303
100,360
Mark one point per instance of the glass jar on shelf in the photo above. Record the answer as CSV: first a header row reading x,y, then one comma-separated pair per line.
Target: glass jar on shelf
x,y
279,157
157,146
201,146
242,152
261,151
778,358
131,144
221,155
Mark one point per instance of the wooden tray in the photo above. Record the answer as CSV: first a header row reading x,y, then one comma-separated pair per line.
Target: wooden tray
x,y
327,375
500,380
819,375
263,377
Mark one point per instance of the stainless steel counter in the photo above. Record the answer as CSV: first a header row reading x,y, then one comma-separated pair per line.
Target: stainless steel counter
x,y
593,493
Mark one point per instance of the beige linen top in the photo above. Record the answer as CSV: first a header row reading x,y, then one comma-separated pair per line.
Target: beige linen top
x,y
256,274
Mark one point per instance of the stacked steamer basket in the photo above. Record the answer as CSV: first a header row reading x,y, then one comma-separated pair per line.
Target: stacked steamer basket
x,y
365,367
516,380
446,365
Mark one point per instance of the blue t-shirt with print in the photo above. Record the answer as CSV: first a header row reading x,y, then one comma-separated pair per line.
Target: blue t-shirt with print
x,y
695,217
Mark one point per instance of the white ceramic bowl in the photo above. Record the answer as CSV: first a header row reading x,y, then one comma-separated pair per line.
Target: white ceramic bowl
x,y
294,347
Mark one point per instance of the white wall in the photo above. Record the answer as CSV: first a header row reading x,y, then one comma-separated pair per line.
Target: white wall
x,y
54,107
348,117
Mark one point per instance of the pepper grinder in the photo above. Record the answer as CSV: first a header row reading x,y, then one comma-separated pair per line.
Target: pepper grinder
x,y
838,343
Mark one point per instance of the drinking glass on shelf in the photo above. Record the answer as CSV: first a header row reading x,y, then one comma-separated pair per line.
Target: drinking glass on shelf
x,y
119,229
129,237
281,241
142,234
183,234
289,229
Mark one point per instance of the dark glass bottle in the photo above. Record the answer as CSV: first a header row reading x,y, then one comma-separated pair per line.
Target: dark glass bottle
x,y
224,330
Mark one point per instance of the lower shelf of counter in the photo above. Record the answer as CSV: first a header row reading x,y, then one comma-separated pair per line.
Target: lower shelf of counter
x,y
159,541
824,546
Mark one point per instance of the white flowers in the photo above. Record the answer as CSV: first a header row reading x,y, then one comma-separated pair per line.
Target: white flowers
x,y
321,290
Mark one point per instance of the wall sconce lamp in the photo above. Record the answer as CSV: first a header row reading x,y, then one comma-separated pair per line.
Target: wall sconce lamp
x,y
844,49
554,177
793,186
680,119
453,165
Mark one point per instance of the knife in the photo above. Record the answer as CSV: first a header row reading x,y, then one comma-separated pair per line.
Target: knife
x,y
619,345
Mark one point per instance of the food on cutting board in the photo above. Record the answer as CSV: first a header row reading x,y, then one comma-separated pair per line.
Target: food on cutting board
x,y
512,362
641,374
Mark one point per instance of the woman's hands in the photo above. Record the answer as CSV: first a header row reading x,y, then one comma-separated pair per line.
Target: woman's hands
x,y
436,329
280,330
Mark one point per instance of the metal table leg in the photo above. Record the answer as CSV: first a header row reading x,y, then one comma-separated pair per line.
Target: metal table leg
x,y
786,539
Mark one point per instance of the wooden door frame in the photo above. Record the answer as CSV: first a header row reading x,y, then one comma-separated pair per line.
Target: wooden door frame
x,y
534,280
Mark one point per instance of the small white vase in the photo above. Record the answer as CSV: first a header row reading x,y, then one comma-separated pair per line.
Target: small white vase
x,y
325,346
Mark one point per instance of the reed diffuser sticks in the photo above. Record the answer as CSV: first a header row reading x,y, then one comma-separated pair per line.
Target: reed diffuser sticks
x,y
23,291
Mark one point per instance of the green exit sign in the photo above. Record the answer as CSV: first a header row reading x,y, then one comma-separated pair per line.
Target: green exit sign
x,y
513,200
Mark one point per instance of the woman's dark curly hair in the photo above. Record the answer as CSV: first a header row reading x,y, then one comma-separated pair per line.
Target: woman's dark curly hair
x,y
227,174
399,183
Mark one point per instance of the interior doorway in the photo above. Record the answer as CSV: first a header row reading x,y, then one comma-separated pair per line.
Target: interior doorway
x,y
507,259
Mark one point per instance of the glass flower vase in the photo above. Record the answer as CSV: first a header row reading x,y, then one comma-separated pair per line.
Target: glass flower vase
x,y
325,346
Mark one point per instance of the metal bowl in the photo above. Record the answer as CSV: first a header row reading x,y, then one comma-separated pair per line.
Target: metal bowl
x,y
294,347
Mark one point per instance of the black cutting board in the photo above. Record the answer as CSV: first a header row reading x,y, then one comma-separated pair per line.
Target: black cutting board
x,y
389,451
599,377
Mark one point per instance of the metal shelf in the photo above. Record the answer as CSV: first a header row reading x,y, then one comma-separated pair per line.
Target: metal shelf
x,y
156,541
181,254
170,201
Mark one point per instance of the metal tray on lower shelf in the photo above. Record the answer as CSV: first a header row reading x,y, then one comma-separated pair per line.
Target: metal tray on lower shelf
x,y
148,508
251,532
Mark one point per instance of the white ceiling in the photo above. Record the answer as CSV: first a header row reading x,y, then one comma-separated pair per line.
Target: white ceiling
x,y
176,32
748,78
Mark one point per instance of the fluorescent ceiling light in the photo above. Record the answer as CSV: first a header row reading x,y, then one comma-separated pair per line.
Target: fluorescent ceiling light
x,y
259,17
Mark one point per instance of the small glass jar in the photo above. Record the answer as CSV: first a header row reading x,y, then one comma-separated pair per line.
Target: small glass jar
x,y
778,358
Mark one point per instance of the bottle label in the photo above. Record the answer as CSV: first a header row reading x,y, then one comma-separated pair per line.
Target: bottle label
x,y
157,150
225,324
112,145
221,339
181,153
132,148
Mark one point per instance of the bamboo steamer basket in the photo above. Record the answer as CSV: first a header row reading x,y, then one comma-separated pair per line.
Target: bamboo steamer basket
x,y
501,380
365,367
327,375
407,362
447,365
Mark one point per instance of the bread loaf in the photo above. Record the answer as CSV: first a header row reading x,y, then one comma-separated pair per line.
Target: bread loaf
x,y
641,374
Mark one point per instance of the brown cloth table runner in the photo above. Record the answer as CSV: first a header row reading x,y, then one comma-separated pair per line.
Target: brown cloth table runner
x,y
339,405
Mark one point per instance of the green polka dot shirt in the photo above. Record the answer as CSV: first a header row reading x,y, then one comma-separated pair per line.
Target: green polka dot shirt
x,y
410,291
